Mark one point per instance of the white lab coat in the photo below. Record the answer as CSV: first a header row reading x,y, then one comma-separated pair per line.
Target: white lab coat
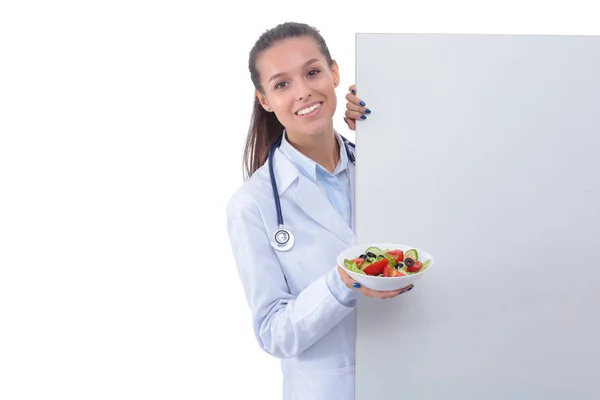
x,y
295,316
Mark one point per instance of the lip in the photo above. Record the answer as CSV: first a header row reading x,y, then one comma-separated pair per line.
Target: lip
x,y
307,106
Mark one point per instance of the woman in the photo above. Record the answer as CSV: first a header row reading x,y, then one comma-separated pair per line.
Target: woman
x,y
302,303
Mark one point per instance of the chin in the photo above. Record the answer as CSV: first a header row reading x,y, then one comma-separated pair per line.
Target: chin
x,y
315,129
316,126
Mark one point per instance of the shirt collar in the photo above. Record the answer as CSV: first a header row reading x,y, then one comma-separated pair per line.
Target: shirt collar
x,y
309,167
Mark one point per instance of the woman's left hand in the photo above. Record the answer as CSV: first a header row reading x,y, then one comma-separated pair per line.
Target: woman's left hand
x,y
356,109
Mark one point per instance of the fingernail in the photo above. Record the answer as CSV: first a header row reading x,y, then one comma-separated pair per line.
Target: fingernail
x,y
354,91
363,117
362,103
368,111
356,285
409,289
345,120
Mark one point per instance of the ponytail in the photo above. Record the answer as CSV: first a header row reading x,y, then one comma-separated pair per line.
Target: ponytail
x,y
265,129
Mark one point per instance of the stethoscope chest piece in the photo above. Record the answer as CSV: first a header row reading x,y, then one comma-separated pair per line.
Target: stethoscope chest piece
x,y
283,240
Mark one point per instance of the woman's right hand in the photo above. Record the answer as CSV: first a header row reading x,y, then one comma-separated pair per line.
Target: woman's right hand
x,y
356,109
349,282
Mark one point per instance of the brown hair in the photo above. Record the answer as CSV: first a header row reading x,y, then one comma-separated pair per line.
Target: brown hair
x,y
265,128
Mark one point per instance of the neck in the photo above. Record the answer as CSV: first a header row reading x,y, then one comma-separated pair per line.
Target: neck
x,y
322,148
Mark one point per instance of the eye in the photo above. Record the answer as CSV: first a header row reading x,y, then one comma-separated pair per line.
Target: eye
x,y
280,85
313,72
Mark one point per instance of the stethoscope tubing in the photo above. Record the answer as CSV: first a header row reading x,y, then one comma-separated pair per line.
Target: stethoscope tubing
x,y
288,241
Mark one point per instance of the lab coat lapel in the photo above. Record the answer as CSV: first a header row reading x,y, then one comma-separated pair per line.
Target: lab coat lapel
x,y
311,199
316,205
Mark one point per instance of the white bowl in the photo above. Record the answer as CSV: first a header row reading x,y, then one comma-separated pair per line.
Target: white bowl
x,y
384,283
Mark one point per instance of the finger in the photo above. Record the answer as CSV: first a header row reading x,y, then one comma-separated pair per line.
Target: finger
x,y
354,115
355,100
352,88
403,290
390,294
375,293
359,108
368,292
386,294
407,289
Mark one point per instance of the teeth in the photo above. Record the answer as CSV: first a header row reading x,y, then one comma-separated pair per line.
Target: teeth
x,y
309,109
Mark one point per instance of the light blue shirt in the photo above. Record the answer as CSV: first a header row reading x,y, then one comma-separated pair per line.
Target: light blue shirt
x,y
336,187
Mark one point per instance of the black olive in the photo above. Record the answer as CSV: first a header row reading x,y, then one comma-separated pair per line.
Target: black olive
x,y
409,262
399,265
362,256
371,255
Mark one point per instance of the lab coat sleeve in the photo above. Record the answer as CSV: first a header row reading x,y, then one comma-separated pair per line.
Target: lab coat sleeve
x,y
283,324
339,289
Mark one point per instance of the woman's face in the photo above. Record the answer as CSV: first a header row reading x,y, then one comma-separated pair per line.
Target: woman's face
x,y
299,86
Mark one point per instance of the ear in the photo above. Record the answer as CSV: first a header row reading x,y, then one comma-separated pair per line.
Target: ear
x,y
263,101
335,72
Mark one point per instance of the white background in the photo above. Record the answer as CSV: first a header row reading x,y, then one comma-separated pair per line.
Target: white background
x,y
121,133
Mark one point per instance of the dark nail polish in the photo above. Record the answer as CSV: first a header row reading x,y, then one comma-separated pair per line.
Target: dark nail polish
x,y
362,103
363,117
411,288
356,285
368,111
354,91
345,120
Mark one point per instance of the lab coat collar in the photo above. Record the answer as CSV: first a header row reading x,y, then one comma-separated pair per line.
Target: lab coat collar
x,y
309,197
285,171
308,166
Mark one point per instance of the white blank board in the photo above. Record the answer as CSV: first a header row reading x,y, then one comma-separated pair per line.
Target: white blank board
x,y
485,151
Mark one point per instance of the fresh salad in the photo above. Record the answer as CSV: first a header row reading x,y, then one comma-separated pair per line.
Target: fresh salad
x,y
388,262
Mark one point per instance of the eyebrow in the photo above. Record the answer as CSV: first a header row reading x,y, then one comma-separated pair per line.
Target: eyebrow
x,y
283,73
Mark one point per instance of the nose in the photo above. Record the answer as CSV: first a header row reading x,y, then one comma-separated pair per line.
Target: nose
x,y
302,90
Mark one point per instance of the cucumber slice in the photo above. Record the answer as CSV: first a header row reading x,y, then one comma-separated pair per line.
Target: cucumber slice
x,y
425,265
365,264
412,253
375,250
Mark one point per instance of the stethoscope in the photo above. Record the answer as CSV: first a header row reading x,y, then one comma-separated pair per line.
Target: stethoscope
x,y
284,239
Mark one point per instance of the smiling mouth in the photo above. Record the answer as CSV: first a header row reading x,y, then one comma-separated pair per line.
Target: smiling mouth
x,y
309,110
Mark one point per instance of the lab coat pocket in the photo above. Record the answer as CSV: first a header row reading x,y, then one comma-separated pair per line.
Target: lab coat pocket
x,y
338,384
